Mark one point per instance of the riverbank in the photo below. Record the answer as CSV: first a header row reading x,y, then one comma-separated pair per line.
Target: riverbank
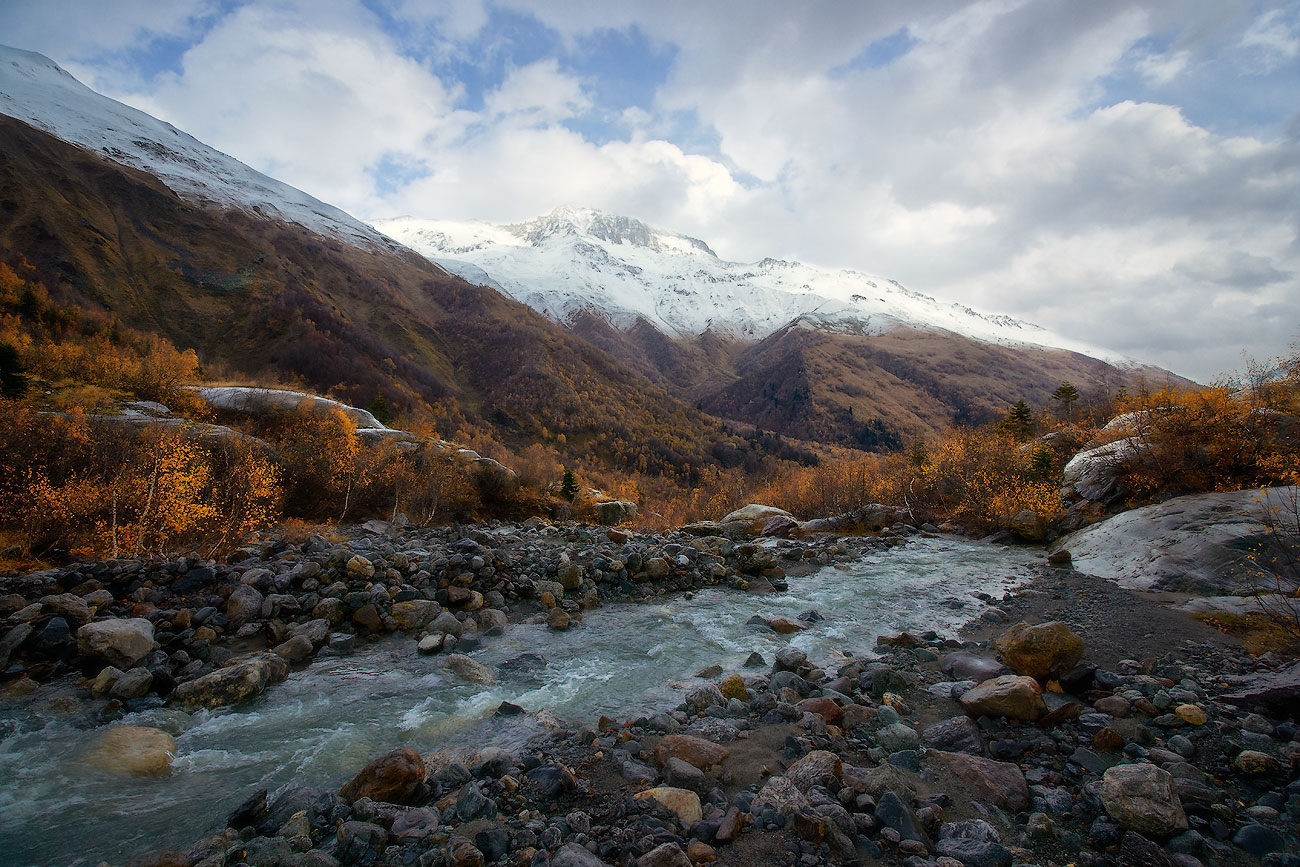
x,y
833,760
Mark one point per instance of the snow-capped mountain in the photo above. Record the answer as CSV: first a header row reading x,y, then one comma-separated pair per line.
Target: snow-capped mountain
x,y
575,260
37,91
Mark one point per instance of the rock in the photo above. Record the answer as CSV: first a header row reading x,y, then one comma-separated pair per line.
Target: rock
x,y
684,803
1254,763
121,643
430,643
244,604
892,812
1191,714
558,619
896,737
414,613
133,750
825,708
236,682
393,778
702,697
475,672
755,516
789,659
1142,798
553,779
416,823
1188,544
964,665
1278,691
1095,474
733,686
780,796
1012,696
692,750
610,512
657,568
958,734
574,855
70,607
1045,651
999,783
570,576
664,855
1027,525
818,768
974,843
785,626
296,650
781,527
132,684
1259,840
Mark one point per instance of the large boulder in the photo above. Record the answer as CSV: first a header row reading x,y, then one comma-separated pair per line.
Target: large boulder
x,y
1143,798
1095,474
469,669
133,750
612,512
1196,544
1012,696
121,643
274,401
233,684
414,613
755,516
392,778
1047,650
1277,691
692,750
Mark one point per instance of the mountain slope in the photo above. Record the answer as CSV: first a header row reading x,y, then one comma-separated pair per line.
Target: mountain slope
x,y
271,300
36,90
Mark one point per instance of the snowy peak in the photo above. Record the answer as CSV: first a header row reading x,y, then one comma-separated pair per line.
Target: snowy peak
x,y
576,261
36,90
579,223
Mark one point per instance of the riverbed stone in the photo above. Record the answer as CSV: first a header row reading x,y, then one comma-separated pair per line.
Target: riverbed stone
x,y
957,734
1043,651
414,614
1011,695
393,778
122,643
685,803
818,768
692,750
469,669
234,683
1143,798
999,783
134,751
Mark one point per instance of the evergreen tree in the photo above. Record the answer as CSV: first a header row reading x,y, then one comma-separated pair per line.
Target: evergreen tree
x,y
1066,395
569,485
13,379
1019,421
379,408
1041,462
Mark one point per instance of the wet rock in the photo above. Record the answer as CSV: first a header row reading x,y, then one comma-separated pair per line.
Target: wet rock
x,y
122,643
999,783
393,778
703,697
414,614
296,650
132,684
1044,651
133,750
684,803
552,779
558,619
825,708
235,683
785,626
471,803
1012,696
474,672
361,842
1142,797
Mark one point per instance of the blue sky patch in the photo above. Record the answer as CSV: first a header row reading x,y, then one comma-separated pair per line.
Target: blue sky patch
x,y
878,54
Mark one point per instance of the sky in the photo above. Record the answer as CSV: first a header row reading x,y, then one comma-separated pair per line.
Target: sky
x,y
1126,173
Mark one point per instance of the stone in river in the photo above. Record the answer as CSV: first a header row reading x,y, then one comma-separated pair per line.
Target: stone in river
x,y
475,672
234,683
134,750
392,778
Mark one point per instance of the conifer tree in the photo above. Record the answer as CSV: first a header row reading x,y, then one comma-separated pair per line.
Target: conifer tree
x,y
1066,395
1019,421
569,485
379,408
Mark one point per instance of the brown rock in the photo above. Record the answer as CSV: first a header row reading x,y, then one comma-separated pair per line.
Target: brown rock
x,y
367,616
393,778
558,619
732,823
1142,798
999,783
701,853
733,686
692,750
825,708
1011,696
1043,651
463,853
134,750
664,855
785,626
856,715
685,803
1108,740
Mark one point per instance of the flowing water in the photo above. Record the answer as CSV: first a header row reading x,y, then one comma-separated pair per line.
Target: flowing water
x,y
329,719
